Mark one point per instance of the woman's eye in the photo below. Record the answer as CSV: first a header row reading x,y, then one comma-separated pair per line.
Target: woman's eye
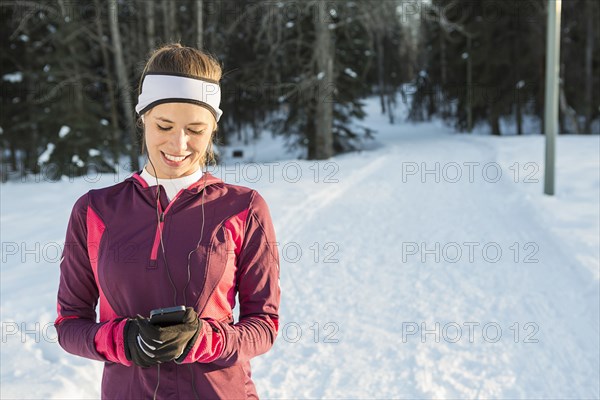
x,y
162,128
196,132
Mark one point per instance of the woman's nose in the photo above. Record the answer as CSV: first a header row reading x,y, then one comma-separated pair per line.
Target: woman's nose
x,y
179,140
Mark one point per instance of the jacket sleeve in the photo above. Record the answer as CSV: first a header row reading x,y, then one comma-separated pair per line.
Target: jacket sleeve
x,y
76,326
259,296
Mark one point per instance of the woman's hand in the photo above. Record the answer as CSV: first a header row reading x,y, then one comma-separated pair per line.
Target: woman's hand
x,y
147,344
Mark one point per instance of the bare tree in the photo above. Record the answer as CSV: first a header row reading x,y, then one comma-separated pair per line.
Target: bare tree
x,y
322,148
72,63
199,25
448,27
150,24
115,145
125,89
589,58
169,26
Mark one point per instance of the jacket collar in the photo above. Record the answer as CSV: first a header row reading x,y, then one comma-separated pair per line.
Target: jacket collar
x,y
206,180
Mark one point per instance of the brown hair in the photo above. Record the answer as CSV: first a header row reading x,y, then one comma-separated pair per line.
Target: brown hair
x,y
175,58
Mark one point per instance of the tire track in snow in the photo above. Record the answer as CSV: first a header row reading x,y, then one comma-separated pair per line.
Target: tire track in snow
x,y
369,293
302,214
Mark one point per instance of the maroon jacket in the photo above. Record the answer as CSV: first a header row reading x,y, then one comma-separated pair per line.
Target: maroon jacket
x,y
112,256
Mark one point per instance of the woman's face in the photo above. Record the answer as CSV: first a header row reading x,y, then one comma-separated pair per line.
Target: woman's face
x,y
177,136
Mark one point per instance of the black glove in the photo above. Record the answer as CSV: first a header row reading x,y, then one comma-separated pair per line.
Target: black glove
x,y
133,345
159,344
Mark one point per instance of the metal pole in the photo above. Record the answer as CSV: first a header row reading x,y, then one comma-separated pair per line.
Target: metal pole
x,y
551,101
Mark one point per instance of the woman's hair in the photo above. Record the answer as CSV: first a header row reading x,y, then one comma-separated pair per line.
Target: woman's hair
x,y
175,58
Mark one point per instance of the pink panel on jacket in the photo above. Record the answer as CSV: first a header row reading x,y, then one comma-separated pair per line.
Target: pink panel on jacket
x,y
140,179
235,226
209,345
95,229
110,343
59,317
222,301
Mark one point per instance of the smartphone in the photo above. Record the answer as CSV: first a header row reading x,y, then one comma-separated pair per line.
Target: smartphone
x,y
167,316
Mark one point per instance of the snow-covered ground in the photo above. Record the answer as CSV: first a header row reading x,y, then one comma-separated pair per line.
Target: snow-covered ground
x,y
429,267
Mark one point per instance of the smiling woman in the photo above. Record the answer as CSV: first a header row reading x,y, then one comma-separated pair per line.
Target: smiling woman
x,y
177,136
218,243
179,93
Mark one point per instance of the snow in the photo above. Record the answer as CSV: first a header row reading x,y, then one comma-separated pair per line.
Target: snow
x,y
77,161
64,131
13,77
350,73
94,152
45,156
320,75
431,266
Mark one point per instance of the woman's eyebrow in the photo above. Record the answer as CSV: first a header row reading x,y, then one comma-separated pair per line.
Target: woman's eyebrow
x,y
171,122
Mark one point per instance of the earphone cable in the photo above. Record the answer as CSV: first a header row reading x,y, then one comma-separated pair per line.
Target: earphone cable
x,y
157,381
197,245
161,234
169,272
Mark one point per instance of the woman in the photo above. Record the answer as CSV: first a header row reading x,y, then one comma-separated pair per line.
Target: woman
x,y
171,235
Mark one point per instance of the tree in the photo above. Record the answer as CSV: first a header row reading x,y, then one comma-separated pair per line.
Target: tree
x,y
125,91
492,58
320,142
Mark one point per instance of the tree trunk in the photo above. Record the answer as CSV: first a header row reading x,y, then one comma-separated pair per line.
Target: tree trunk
x,y
568,113
495,121
589,58
150,25
516,82
380,70
166,23
173,9
31,151
13,155
199,25
470,87
391,102
519,113
75,65
114,120
322,148
444,69
170,27
125,95
443,62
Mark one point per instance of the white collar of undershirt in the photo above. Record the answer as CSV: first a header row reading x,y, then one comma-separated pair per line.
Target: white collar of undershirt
x,y
172,186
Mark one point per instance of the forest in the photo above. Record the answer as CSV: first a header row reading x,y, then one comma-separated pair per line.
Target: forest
x,y
300,69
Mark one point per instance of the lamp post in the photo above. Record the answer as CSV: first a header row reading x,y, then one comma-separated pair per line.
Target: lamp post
x,y
551,97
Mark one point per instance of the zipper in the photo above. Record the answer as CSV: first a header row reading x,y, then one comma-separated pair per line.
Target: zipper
x,y
159,229
161,223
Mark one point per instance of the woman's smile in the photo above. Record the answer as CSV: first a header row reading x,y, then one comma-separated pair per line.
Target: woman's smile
x,y
172,160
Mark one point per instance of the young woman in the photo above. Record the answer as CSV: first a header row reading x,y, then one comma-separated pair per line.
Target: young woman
x,y
171,235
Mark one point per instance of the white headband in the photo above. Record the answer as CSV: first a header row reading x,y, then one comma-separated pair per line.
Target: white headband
x,y
166,88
